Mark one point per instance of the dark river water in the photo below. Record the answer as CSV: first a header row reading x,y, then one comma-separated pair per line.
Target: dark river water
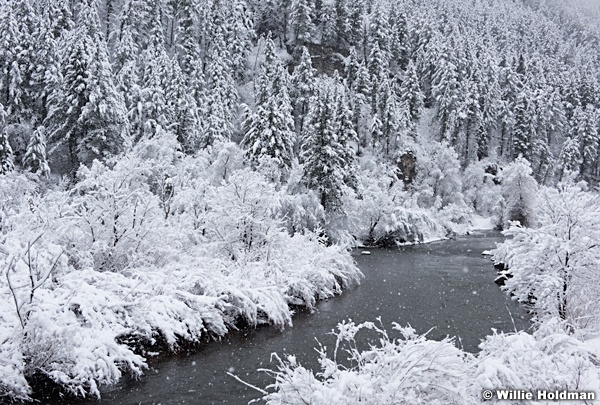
x,y
448,286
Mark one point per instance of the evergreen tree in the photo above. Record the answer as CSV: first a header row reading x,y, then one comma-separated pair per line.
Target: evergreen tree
x,y
302,87
11,61
270,130
127,78
379,27
182,105
523,132
301,22
86,113
329,31
387,113
351,67
378,69
220,105
399,41
188,44
239,36
343,25
58,15
362,86
446,91
324,152
570,157
510,85
6,153
35,156
152,113
272,16
410,93
587,134
347,135
45,66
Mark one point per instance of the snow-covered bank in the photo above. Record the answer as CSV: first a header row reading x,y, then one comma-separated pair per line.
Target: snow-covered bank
x,y
158,250
406,368
553,268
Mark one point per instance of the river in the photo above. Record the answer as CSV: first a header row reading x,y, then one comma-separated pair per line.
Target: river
x,y
448,286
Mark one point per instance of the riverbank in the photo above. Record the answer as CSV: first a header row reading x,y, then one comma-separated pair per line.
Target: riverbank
x,y
159,248
549,266
395,284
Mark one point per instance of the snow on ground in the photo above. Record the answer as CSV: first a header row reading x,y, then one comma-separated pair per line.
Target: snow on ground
x,y
480,223
149,253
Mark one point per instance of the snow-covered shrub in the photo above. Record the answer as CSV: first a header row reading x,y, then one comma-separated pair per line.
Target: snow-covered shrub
x,y
12,364
383,214
16,195
480,187
548,359
438,181
117,218
154,248
241,223
301,209
555,266
409,369
519,190
225,158
415,370
456,218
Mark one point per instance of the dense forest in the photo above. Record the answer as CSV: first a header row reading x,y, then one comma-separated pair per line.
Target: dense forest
x,y
172,169
91,79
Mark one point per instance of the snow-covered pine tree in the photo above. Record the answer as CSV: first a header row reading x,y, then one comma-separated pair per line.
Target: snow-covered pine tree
x,y
343,25
510,84
379,27
11,64
410,93
351,67
269,131
34,159
182,104
445,90
137,17
328,19
324,151
45,65
239,34
399,41
220,104
271,16
523,131
127,77
587,134
188,44
362,86
86,114
302,87
104,113
152,112
519,190
378,71
301,21
58,15
347,135
6,154
570,157
387,112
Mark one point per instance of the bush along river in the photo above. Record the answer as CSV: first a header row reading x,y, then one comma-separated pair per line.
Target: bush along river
x,y
446,287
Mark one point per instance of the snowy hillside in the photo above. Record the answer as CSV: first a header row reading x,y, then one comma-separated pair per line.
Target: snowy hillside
x,y
171,170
